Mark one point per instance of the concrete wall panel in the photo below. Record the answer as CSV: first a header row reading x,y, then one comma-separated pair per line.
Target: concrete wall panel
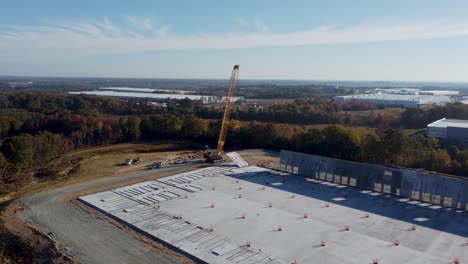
x,y
428,188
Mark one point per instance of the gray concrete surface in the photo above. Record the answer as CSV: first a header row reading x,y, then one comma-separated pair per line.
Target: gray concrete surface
x,y
200,212
88,238
434,189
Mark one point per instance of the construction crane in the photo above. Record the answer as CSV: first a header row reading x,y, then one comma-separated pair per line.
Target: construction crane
x,y
216,156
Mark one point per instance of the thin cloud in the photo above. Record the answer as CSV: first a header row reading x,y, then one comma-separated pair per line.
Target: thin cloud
x,y
260,26
139,22
241,21
91,37
147,23
132,20
257,24
109,27
163,31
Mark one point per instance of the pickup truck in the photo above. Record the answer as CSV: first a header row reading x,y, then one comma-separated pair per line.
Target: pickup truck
x,y
154,165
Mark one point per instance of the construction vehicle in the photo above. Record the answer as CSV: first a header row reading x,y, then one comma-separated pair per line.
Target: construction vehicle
x,y
216,155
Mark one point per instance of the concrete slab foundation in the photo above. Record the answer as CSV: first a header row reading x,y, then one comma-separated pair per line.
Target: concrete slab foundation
x,y
225,214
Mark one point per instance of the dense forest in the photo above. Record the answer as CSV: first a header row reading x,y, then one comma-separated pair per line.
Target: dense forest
x,y
38,127
301,111
312,111
419,118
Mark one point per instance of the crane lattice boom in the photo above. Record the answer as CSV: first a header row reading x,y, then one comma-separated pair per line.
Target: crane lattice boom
x,y
227,111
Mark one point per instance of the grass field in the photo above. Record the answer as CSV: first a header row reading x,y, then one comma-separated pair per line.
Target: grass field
x,y
109,162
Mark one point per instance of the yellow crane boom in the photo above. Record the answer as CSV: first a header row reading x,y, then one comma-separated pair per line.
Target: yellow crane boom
x,y
227,112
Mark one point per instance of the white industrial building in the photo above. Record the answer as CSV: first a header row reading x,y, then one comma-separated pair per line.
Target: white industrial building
x,y
145,90
452,129
440,92
155,95
395,90
402,97
397,100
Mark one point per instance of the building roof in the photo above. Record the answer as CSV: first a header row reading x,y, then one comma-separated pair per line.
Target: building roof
x,y
444,123
146,90
158,96
440,92
419,99
398,90
142,95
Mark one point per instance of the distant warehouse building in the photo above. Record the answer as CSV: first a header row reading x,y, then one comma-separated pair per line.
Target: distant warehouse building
x,y
145,90
439,92
142,94
398,100
451,129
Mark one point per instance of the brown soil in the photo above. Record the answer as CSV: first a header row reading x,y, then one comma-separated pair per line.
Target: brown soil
x,y
23,243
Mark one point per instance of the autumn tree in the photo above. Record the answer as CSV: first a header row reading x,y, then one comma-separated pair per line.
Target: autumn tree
x,y
19,150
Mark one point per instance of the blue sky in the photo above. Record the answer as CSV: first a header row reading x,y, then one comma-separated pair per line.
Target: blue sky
x,y
398,40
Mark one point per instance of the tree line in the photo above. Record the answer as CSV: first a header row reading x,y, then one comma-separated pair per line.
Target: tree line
x,y
312,111
282,91
393,147
420,117
37,129
301,111
26,144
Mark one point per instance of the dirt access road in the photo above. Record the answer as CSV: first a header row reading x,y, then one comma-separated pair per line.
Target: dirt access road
x,y
91,238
